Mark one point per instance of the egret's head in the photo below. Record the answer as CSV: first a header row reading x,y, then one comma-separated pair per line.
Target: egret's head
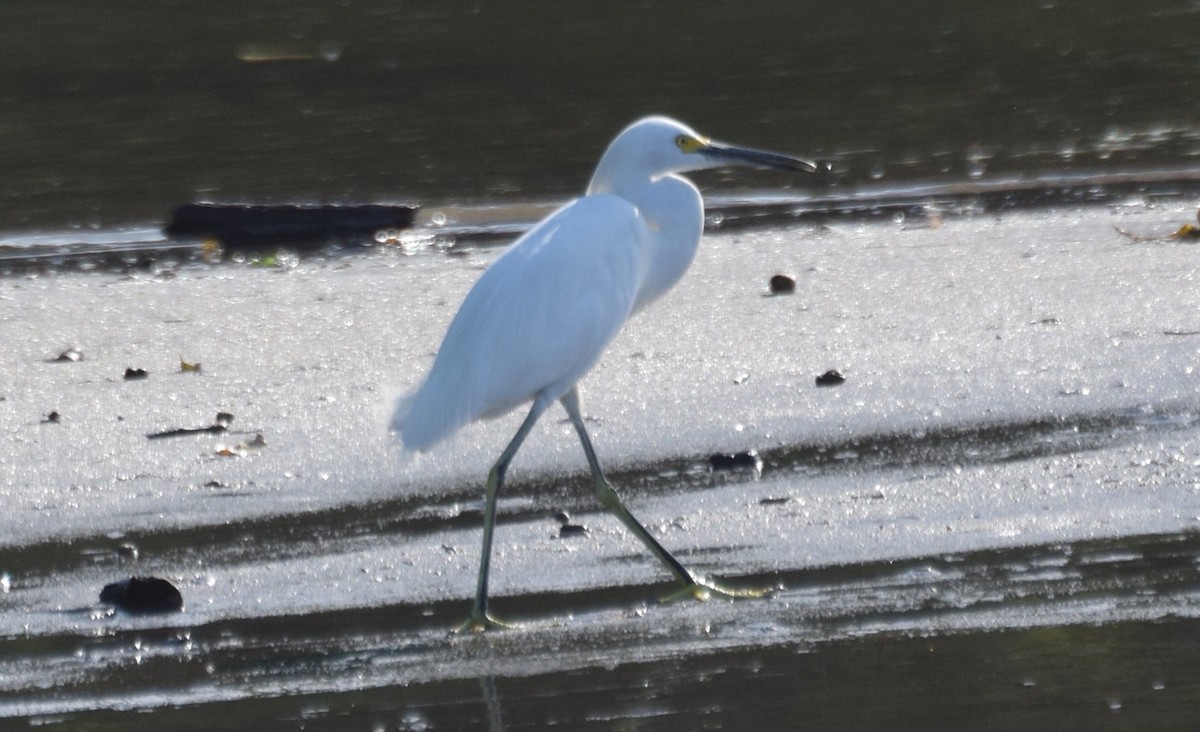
x,y
656,146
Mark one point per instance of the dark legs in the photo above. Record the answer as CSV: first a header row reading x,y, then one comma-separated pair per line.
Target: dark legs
x,y
479,619
698,587
609,499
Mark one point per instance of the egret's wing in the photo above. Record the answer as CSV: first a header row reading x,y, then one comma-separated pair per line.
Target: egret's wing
x,y
536,321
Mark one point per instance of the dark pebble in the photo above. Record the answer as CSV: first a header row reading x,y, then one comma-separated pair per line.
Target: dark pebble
x,y
143,595
568,529
133,374
830,378
52,418
782,285
737,461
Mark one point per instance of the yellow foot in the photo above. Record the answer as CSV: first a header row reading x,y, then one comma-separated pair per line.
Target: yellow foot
x,y
478,622
704,589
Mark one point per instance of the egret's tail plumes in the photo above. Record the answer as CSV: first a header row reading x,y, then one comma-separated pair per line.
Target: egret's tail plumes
x,y
419,428
441,405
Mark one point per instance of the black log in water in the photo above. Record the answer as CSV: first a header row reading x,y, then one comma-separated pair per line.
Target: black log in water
x,y
270,225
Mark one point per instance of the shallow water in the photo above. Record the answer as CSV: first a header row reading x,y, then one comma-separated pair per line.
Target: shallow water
x,y
1100,631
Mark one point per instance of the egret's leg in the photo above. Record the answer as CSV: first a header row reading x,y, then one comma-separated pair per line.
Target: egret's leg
x,y
694,585
479,619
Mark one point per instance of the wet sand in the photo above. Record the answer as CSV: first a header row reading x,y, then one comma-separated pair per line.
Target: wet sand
x,y
990,524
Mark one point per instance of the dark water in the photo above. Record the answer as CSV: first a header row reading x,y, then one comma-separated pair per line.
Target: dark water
x,y
113,113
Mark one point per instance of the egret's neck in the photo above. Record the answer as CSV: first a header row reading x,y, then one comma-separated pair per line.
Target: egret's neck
x,y
673,214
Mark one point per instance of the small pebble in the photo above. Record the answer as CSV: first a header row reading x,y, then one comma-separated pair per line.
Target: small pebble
x,y
127,551
71,354
781,284
134,374
52,418
831,377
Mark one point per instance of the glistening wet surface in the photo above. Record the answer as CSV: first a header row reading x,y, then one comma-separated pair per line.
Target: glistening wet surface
x,y
537,497
1098,630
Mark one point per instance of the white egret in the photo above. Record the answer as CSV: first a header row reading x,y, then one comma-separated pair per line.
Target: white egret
x,y
542,314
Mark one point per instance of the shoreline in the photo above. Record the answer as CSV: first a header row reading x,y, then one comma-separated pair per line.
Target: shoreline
x,y
451,228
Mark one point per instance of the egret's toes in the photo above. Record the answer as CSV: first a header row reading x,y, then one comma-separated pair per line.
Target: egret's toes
x,y
705,589
479,622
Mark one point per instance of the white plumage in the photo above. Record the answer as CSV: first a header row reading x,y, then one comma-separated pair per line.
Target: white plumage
x,y
541,316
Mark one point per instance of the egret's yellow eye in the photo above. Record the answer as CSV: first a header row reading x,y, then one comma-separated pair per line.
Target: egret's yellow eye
x,y
688,144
